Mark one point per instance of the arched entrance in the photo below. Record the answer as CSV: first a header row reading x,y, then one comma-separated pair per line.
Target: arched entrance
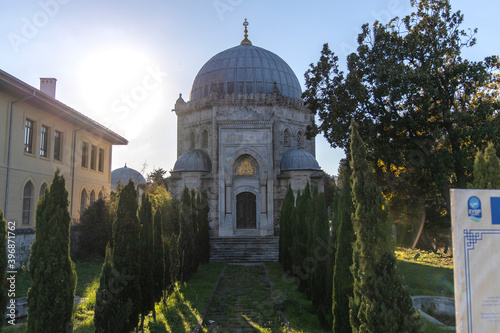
x,y
246,211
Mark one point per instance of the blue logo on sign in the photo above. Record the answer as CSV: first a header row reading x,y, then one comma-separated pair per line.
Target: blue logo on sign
x,y
474,209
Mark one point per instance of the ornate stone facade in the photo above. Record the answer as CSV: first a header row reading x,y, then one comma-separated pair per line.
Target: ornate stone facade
x,y
244,137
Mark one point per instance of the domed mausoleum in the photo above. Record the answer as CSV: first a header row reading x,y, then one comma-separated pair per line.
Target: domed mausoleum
x,y
241,137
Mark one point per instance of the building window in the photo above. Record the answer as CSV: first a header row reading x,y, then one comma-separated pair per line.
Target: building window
x,y
286,138
101,160
100,196
42,189
83,202
245,167
204,139
28,136
27,202
192,140
57,145
85,154
93,153
92,197
299,139
44,141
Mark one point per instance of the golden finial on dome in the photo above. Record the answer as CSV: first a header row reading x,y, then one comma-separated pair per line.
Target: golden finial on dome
x,y
246,41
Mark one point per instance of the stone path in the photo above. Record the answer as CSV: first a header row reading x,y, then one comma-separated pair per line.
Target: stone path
x,y
243,302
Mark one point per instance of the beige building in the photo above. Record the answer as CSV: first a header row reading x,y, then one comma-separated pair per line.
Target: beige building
x,y
39,135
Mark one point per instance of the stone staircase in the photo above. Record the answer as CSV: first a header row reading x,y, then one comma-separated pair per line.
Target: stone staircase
x,y
244,249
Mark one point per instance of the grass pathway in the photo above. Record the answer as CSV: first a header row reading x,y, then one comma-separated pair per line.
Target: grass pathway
x,y
243,302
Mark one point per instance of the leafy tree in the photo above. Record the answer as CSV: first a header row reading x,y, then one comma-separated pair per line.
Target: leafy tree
x,y
96,229
158,268
50,261
3,267
486,169
285,240
342,276
422,109
156,178
379,302
146,257
125,259
109,311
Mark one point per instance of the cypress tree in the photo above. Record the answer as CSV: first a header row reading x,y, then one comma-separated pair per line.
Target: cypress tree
x,y
320,283
146,257
301,234
379,302
3,267
203,229
50,261
187,237
158,268
486,169
96,229
195,254
175,262
109,312
342,276
125,259
285,240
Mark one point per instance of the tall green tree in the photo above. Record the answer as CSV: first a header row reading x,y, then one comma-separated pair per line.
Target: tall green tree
x,y
110,311
380,303
187,236
320,282
158,268
203,243
285,240
125,259
146,257
420,106
96,230
3,267
486,169
342,275
50,261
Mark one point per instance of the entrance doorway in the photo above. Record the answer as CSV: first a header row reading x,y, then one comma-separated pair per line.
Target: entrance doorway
x,y
246,211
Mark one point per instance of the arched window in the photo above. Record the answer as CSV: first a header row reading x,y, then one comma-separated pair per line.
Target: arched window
x,y
92,197
100,196
245,167
192,140
27,202
42,189
83,201
299,139
204,139
286,138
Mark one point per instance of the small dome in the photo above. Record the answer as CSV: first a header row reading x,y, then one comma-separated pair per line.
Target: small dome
x,y
123,175
298,159
245,69
194,160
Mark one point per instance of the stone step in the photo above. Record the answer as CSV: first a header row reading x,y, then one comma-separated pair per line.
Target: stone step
x,y
244,249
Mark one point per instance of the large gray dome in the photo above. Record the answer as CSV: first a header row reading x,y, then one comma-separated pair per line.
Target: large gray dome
x,y
298,159
245,69
195,160
123,175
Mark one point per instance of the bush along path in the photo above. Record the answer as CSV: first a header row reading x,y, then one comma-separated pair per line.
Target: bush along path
x,y
244,302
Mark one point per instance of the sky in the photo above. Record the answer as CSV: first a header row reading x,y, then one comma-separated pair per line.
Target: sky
x,y
124,63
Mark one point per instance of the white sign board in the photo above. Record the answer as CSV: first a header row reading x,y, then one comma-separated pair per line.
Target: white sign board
x,y
475,216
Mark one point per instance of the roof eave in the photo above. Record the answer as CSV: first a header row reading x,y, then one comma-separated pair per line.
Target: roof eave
x,y
19,89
